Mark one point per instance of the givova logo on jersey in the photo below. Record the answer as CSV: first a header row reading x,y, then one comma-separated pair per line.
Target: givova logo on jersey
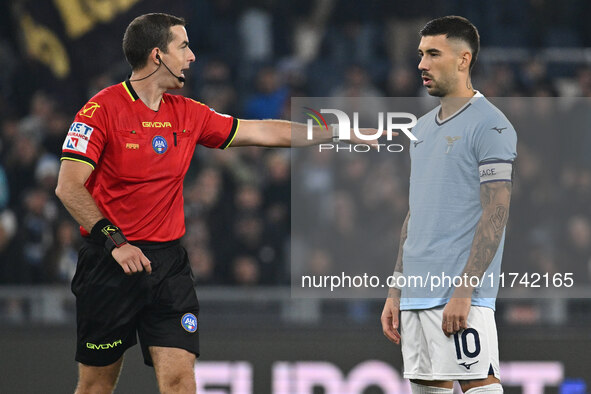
x,y
78,137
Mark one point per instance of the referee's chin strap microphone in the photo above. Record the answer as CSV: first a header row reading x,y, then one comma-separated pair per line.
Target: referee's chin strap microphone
x,y
181,79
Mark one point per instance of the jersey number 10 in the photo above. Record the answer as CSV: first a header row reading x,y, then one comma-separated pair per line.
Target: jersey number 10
x,y
464,344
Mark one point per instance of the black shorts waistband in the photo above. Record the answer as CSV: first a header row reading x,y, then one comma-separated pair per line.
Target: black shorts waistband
x,y
145,245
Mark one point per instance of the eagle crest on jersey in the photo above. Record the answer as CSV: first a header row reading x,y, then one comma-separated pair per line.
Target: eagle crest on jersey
x,y
450,142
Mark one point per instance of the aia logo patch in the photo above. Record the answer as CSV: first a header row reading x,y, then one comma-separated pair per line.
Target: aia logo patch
x,y
189,322
159,144
89,109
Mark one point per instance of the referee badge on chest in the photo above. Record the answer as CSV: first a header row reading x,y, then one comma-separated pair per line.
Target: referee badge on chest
x,y
189,322
159,144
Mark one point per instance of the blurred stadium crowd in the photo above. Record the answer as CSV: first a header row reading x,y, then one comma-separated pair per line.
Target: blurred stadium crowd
x,y
251,59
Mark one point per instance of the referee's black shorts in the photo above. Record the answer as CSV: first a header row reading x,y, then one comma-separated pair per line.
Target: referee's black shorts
x,y
111,307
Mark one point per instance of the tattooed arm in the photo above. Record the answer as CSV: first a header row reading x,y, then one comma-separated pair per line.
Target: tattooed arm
x,y
391,309
494,198
394,292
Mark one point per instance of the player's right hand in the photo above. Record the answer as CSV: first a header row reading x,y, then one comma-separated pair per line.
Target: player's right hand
x,y
390,319
131,259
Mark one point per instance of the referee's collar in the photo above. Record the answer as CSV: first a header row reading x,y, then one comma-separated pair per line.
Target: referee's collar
x,y
127,85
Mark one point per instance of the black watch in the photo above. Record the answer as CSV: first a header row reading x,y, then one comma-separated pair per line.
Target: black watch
x,y
114,237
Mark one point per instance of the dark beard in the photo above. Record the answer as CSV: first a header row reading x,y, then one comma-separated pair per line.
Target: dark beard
x,y
436,93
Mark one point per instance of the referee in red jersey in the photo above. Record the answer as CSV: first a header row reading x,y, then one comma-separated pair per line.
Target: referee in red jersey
x,y
123,164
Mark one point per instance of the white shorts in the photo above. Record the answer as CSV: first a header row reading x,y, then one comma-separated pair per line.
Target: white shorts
x,y
428,354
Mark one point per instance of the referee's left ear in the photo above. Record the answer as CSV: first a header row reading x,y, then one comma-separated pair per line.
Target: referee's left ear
x,y
154,55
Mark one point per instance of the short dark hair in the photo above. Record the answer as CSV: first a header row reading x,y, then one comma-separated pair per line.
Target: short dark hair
x,y
145,33
455,27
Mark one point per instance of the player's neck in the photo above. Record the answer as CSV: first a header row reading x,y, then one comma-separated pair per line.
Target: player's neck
x,y
451,103
150,92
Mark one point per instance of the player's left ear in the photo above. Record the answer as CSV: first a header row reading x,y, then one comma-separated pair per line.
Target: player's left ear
x,y
464,60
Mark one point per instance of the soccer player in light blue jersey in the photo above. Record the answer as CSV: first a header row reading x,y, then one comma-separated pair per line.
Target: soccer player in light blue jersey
x,y
460,189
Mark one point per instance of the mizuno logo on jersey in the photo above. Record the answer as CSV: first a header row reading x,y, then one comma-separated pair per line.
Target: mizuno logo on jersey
x,y
156,124
450,142
498,129
467,366
417,142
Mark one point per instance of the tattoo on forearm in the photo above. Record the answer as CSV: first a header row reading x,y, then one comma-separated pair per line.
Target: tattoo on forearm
x,y
498,218
495,199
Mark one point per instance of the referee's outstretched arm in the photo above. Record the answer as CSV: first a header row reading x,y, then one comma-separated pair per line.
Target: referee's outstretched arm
x,y
282,133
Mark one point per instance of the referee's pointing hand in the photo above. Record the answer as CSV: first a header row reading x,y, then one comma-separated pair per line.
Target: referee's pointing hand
x,y
131,259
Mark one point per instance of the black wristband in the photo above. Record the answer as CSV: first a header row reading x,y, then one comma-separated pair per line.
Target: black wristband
x,y
96,233
108,234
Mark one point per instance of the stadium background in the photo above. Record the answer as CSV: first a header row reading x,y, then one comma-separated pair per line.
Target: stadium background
x,y
252,56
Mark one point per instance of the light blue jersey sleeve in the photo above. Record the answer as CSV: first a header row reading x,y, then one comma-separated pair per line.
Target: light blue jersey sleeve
x,y
495,140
